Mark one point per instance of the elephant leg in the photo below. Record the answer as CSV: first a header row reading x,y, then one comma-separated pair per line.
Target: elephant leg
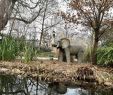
x,y
80,56
67,52
64,57
60,56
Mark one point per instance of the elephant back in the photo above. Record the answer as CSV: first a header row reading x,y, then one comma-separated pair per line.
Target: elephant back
x,y
78,43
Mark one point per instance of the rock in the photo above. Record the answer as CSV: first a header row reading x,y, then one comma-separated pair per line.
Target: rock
x,y
19,77
108,83
61,88
35,75
16,71
4,70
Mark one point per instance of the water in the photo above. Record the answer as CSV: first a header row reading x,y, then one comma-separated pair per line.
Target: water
x,y
12,85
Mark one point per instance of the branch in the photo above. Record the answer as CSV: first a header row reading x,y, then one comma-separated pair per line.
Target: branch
x,y
46,28
24,4
29,20
102,32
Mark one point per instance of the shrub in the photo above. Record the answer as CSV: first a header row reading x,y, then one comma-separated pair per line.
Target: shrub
x,y
29,53
105,56
11,48
8,49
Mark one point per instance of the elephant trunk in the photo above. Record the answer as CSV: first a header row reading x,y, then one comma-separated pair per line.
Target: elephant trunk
x,y
53,40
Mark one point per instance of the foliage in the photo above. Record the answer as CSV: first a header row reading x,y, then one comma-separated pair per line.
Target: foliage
x,y
107,43
29,53
11,48
8,49
93,14
20,43
105,56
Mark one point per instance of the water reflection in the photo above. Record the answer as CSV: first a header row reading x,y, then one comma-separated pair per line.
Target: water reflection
x,y
12,85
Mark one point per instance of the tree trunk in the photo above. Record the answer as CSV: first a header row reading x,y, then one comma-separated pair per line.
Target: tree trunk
x,y
95,46
6,7
43,22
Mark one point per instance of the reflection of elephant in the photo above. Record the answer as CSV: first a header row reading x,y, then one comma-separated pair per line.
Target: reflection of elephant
x,y
67,51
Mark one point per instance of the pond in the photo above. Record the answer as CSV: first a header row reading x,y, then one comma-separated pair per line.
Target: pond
x,y
16,85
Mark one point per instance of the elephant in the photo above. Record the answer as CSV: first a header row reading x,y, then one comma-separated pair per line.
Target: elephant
x,y
67,50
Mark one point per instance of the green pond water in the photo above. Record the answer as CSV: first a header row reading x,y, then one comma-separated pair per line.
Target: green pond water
x,y
12,85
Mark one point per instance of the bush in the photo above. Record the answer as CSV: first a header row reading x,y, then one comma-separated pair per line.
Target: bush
x,y
105,56
29,53
11,48
8,49
107,44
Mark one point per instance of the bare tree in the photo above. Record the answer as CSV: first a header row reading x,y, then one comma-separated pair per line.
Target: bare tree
x,y
45,19
25,12
107,36
8,9
93,14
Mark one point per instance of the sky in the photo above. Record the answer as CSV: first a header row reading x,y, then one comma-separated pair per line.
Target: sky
x,y
62,5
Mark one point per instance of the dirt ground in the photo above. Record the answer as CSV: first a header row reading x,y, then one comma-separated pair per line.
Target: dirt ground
x,y
54,71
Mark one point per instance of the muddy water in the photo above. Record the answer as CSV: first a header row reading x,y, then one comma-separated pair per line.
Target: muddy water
x,y
13,85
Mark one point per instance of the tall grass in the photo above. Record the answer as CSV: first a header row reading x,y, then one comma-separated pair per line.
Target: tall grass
x,y
10,48
105,56
28,53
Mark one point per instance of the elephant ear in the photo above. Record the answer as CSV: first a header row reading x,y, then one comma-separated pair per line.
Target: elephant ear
x,y
65,42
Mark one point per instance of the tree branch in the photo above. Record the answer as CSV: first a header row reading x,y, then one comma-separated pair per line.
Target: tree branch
x,y
30,20
24,4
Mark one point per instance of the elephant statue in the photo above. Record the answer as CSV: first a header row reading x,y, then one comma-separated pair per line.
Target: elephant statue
x,y
68,50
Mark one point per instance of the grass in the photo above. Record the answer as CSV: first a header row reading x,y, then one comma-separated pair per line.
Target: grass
x,y
44,54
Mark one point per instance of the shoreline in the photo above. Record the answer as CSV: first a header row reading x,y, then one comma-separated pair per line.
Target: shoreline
x,y
54,71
